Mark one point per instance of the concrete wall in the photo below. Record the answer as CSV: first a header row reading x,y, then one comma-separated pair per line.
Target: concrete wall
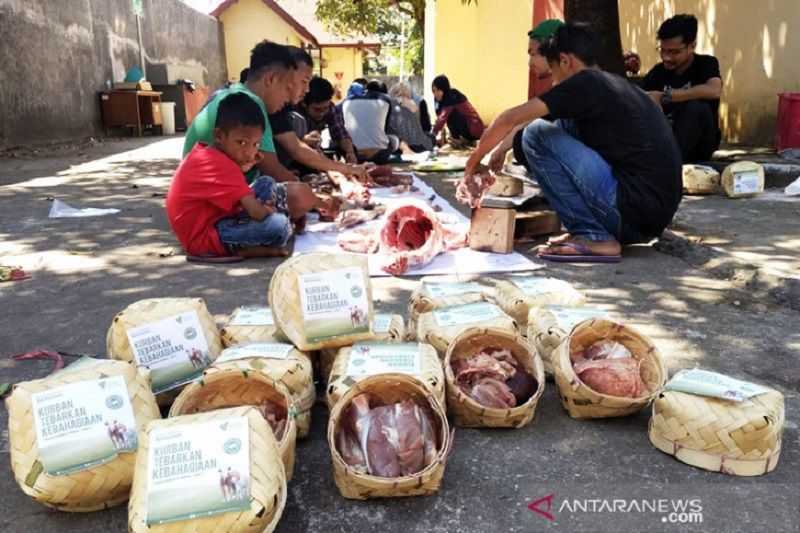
x,y
757,44
341,65
57,55
483,50
248,22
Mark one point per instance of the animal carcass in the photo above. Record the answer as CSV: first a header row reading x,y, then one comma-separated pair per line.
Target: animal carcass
x,y
411,236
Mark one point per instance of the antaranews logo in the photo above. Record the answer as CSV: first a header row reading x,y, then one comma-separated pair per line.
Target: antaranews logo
x,y
671,511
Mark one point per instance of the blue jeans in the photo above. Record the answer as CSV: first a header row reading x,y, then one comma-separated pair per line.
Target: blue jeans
x,y
578,183
242,231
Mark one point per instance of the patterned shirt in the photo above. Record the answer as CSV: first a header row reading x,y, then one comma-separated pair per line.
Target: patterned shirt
x,y
333,120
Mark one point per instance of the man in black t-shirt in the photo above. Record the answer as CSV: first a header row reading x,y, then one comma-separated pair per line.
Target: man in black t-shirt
x,y
609,166
687,86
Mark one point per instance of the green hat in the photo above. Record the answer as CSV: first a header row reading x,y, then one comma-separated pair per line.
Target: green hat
x,y
545,29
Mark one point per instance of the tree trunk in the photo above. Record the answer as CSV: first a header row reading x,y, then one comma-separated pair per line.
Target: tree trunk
x,y
602,16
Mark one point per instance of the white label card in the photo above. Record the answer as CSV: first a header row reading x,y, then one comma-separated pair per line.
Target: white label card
x,y
252,316
266,350
381,323
83,424
368,359
569,317
539,286
197,470
467,314
175,350
334,303
438,290
746,182
705,383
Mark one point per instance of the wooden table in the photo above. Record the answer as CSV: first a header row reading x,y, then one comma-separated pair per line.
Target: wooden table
x,y
130,109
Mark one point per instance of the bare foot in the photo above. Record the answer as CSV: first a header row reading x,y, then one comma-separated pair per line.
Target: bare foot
x,y
561,239
578,246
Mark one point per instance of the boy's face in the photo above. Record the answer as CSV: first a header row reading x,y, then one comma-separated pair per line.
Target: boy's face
x,y
241,144
536,60
301,79
277,89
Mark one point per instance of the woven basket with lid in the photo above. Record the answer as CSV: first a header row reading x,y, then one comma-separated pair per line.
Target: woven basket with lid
x,y
423,300
396,332
286,304
233,334
737,438
429,330
267,481
469,413
233,385
432,374
583,402
97,487
517,302
390,388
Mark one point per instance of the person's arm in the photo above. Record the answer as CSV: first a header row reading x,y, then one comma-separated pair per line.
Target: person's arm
x,y
710,90
346,145
339,134
271,166
498,157
311,158
441,120
501,127
255,208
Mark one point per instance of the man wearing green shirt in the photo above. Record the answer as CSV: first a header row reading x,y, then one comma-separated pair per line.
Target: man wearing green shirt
x,y
269,84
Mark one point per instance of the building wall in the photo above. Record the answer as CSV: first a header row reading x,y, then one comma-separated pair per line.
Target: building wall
x,y
757,44
340,66
57,56
483,51
248,22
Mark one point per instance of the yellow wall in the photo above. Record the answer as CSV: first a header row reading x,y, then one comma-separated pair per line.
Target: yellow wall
x,y
757,44
248,22
348,61
483,51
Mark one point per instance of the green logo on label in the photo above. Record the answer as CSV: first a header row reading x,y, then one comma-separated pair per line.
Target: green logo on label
x,y
190,333
356,291
232,446
358,362
114,401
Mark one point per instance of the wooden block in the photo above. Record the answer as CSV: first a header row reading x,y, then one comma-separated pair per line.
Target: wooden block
x,y
532,224
492,230
505,185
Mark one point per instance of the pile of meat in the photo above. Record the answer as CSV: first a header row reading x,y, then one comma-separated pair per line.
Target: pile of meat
x,y
493,377
411,236
609,368
384,176
275,414
392,440
470,189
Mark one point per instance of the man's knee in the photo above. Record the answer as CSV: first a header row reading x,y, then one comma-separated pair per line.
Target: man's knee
x,y
536,132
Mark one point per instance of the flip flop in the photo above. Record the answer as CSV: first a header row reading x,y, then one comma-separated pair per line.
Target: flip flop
x,y
584,255
214,259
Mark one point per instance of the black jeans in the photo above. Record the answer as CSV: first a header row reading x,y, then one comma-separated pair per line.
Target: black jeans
x,y
695,131
459,129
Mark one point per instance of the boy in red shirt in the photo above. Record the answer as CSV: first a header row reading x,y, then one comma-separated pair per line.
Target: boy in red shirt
x,y
214,214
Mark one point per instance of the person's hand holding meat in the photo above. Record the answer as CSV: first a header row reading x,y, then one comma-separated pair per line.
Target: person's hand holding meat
x,y
476,181
312,139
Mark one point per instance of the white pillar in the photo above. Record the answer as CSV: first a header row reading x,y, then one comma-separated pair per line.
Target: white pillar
x,y
429,69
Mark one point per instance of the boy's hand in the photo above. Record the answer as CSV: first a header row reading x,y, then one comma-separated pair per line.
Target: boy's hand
x,y
328,207
269,206
312,139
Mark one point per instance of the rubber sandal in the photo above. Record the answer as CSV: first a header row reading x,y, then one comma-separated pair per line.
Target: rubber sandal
x,y
584,255
214,259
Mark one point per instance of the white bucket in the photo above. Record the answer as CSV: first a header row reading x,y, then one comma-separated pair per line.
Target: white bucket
x,y
168,118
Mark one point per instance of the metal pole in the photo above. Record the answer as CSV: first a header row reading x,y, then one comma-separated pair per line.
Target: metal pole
x,y
141,46
402,47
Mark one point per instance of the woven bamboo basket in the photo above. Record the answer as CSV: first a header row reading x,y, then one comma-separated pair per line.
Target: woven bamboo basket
x,y
285,302
581,401
230,385
152,310
469,413
700,179
422,301
267,482
743,179
432,374
390,388
517,302
233,334
98,487
545,332
395,333
295,372
737,438
440,337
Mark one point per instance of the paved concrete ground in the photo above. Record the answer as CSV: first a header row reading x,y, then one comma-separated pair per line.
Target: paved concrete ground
x,y
720,292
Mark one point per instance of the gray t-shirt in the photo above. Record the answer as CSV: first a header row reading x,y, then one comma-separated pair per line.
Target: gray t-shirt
x,y
366,118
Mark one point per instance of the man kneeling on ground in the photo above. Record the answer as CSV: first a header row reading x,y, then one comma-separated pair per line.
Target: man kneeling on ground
x,y
609,165
214,214
687,86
